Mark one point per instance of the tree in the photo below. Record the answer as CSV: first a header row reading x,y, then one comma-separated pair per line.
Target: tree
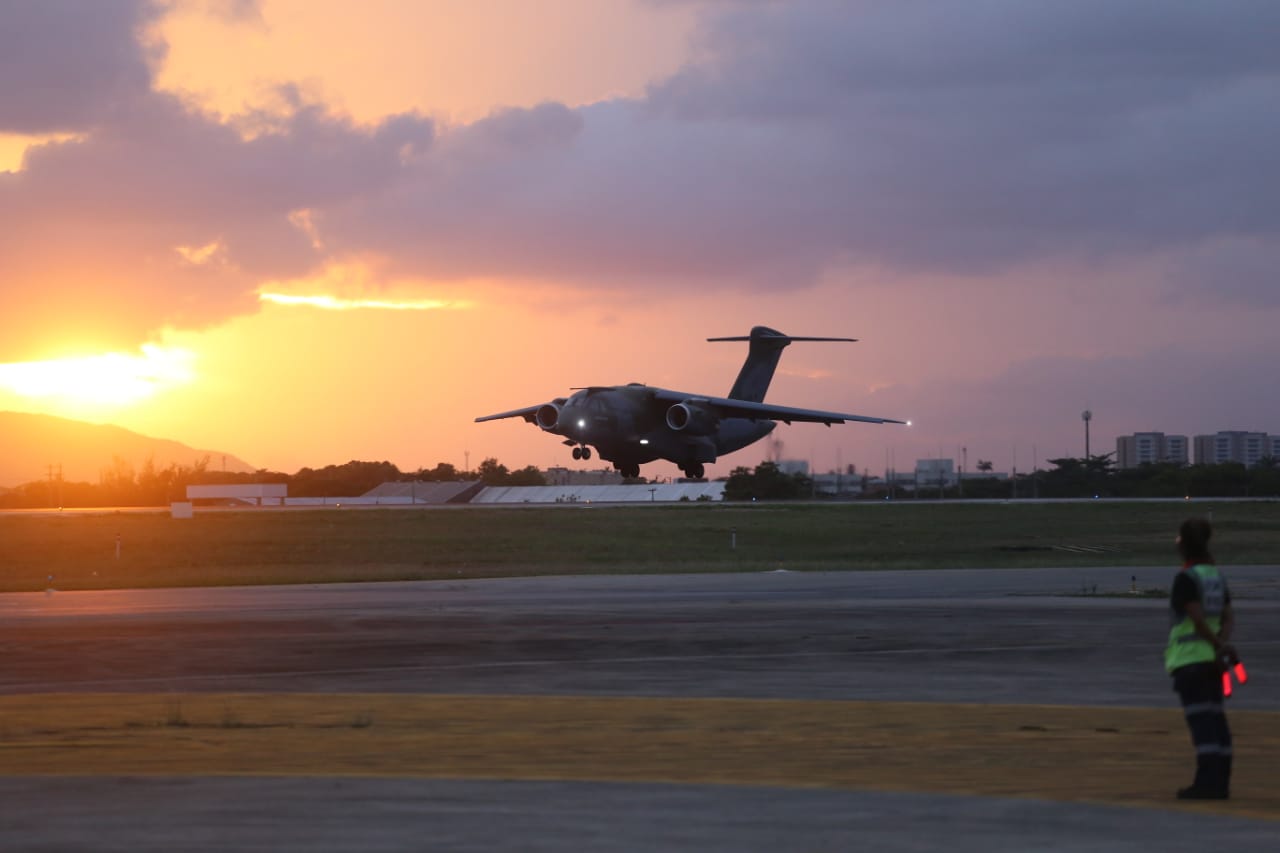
x,y
985,466
527,476
493,473
444,472
768,483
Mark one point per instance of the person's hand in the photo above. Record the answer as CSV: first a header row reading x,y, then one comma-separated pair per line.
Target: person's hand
x,y
1227,654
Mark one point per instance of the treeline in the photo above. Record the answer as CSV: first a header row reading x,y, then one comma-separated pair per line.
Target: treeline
x,y
123,485
767,482
1095,476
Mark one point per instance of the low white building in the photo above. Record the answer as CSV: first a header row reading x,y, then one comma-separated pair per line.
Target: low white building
x,y
257,494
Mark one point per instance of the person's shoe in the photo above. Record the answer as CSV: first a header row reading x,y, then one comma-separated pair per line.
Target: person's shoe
x,y
1197,792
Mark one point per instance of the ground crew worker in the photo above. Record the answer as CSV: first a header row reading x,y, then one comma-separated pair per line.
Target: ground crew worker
x,y
1200,612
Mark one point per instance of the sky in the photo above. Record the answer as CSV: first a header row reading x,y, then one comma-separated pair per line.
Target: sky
x,y
308,232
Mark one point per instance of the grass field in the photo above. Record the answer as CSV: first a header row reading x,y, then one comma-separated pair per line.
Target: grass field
x,y
254,547
1116,756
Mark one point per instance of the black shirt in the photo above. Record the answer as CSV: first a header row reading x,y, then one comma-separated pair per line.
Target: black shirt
x,y
1185,591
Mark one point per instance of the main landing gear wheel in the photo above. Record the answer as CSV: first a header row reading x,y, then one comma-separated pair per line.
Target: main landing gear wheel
x,y
629,472
694,471
582,452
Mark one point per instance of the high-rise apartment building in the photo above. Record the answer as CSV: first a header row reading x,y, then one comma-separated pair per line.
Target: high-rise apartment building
x,y
1143,448
1245,448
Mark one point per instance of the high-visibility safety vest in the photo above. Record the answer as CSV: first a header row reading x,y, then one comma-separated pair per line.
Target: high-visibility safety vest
x,y
1185,645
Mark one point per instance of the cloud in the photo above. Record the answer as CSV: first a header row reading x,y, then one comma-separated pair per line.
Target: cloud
x,y
1187,390
166,216
1234,270
962,138
939,140
67,64
340,303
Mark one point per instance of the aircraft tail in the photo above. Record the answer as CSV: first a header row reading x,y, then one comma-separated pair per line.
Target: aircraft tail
x,y
762,360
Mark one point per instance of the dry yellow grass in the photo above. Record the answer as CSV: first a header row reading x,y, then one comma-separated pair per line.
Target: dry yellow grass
x,y
1118,756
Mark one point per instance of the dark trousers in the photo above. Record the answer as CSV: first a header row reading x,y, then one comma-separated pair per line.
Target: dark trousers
x,y
1199,685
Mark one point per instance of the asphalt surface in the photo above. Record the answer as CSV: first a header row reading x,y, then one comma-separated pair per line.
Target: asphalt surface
x,y
1066,637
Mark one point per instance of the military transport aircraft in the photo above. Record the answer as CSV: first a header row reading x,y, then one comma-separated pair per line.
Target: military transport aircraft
x,y
633,424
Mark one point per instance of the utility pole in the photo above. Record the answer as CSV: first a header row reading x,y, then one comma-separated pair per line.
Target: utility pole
x,y
1014,477
1086,416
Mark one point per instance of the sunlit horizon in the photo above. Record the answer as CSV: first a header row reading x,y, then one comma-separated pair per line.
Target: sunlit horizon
x,y
97,385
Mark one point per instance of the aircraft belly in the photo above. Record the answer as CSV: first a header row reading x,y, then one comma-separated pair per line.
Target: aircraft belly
x,y
737,433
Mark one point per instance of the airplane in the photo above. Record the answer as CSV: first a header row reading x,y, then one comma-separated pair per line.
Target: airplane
x,y
632,424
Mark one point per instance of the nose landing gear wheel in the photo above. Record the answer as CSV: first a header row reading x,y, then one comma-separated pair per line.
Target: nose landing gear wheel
x,y
577,453
583,452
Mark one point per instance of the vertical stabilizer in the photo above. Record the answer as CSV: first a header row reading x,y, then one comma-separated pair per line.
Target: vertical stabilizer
x,y
762,360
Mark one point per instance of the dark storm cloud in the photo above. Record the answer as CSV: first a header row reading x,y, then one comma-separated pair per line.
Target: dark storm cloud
x,y
955,137
67,63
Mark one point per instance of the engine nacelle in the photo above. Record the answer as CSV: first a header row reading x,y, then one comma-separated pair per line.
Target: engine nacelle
x,y
692,418
547,416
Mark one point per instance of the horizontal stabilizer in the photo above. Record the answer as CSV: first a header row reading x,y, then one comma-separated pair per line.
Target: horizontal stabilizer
x,y
777,337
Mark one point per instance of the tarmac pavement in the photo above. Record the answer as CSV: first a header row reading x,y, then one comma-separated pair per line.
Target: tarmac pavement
x,y
968,636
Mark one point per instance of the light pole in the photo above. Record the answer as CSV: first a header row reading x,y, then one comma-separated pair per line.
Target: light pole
x,y
1086,416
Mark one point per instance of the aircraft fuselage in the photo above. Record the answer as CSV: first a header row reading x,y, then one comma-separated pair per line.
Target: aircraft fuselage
x,y
628,426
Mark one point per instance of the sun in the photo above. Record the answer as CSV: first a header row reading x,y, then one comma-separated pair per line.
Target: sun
x,y
98,382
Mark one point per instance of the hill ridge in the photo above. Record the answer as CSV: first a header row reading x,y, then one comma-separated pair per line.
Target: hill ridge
x,y
31,443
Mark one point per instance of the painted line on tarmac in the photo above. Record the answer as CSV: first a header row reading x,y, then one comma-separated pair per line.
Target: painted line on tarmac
x,y
1117,756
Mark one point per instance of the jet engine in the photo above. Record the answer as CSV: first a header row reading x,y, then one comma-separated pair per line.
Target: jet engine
x,y
548,415
692,418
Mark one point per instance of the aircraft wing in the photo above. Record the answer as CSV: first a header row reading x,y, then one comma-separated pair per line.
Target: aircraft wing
x,y
728,408
528,413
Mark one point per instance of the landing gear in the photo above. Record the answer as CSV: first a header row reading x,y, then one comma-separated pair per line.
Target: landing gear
x,y
694,471
582,452
629,472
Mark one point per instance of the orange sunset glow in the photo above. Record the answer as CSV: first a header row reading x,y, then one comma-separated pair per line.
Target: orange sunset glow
x,y
308,232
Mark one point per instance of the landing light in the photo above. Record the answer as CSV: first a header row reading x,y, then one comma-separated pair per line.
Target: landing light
x,y
908,423
644,441
582,424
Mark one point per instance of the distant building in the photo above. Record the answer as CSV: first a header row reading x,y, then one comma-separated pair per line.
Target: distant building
x,y
1149,448
935,472
837,483
256,494
574,477
793,466
1245,448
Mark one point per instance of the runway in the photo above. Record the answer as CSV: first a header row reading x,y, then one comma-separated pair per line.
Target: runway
x,y
676,676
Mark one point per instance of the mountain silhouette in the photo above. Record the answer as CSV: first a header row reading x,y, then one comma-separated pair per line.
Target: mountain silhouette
x,y
29,444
